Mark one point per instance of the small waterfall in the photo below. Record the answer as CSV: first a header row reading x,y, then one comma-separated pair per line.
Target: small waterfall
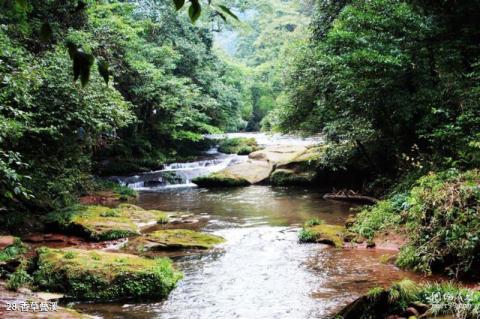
x,y
180,174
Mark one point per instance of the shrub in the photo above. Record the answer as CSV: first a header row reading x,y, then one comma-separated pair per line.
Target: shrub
x,y
444,224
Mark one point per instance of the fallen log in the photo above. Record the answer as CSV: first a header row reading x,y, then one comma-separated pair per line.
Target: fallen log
x,y
351,198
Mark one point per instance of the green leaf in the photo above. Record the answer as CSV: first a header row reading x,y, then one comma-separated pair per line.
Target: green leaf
x,y
46,33
228,11
194,10
103,69
22,4
179,4
224,18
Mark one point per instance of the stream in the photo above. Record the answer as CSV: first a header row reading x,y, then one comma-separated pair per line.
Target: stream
x,y
261,271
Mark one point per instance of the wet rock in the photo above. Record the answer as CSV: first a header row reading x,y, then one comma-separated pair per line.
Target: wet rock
x,y
104,223
175,239
102,276
24,291
370,244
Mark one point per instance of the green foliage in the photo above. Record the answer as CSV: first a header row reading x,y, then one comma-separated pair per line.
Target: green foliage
x,y
393,81
384,215
123,192
164,88
313,222
20,278
441,299
439,215
13,251
306,236
443,223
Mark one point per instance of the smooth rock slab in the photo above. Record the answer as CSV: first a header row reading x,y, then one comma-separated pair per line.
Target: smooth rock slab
x,y
278,155
175,239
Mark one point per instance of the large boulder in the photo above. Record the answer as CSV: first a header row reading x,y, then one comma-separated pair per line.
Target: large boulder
x,y
242,174
105,223
174,239
220,179
103,276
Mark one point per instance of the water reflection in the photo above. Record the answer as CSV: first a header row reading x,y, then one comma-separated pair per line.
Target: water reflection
x,y
252,205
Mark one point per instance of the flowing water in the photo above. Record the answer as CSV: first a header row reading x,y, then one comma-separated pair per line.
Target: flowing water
x,y
261,271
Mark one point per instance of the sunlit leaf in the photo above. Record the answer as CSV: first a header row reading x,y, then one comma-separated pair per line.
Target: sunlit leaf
x,y
228,11
194,11
224,18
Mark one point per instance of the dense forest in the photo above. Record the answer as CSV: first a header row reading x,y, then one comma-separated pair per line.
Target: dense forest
x,y
98,88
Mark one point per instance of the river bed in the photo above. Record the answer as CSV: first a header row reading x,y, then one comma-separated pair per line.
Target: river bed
x,y
261,271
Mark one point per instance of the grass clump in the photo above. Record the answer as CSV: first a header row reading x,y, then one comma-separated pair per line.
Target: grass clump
x,y
238,145
386,214
104,223
313,222
12,252
444,224
103,276
19,278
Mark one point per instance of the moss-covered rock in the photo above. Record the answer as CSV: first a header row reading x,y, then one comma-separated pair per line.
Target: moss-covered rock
x,y
103,276
323,233
220,179
104,223
173,239
238,145
283,177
